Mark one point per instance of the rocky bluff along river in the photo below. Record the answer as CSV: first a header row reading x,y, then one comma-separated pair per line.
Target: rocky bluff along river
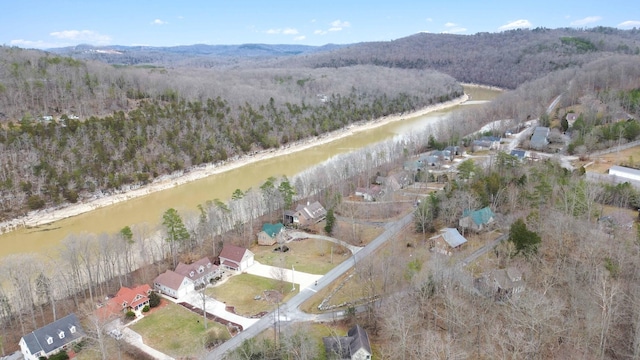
x,y
185,198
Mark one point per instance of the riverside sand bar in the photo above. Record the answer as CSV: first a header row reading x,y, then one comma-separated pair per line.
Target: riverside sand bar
x,y
45,229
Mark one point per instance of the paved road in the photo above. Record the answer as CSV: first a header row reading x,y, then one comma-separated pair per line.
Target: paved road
x,y
267,321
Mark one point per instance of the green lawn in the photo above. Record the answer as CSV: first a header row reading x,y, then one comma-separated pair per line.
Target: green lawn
x,y
240,290
177,331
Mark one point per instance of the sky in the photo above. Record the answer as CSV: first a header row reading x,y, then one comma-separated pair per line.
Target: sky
x,y
56,23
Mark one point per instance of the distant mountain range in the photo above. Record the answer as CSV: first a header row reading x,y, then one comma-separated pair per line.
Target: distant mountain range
x,y
132,55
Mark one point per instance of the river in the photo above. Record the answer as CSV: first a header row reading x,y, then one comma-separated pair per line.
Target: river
x,y
185,198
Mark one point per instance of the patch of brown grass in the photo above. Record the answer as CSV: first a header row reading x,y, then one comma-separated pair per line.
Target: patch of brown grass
x,y
602,163
310,255
241,291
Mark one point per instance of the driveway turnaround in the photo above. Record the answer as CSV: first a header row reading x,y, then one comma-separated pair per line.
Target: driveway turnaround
x,y
135,339
303,279
215,307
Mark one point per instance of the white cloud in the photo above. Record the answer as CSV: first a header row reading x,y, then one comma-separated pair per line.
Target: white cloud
x,y
518,24
453,28
299,38
38,44
429,19
88,36
585,21
629,24
158,22
287,31
338,25
319,32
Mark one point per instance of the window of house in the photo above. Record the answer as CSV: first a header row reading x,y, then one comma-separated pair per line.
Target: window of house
x,y
49,340
61,334
208,265
200,269
124,304
72,329
191,273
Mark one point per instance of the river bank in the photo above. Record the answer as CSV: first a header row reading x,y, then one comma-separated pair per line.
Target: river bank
x,y
51,215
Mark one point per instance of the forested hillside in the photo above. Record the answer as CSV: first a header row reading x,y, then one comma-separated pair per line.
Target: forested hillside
x,y
505,59
118,126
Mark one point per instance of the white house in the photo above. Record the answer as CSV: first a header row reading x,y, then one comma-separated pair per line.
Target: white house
x,y
52,338
200,272
236,258
173,284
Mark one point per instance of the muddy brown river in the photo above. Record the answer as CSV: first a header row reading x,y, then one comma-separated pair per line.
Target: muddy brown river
x,y
185,198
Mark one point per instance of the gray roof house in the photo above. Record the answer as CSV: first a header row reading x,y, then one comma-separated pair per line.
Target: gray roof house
x,y
354,346
200,272
500,284
52,338
309,214
539,139
486,143
449,239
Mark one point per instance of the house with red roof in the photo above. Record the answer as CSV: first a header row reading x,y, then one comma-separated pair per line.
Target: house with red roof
x,y
126,299
235,257
173,284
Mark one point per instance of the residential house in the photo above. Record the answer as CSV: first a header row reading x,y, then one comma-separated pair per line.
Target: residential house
x,y
476,220
271,234
354,346
540,138
52,338
372,193
309,214
173,284
199,272
395,182
127,299
447,241
486,143
235,258
500,284
520,154
571,118
413,165
453,151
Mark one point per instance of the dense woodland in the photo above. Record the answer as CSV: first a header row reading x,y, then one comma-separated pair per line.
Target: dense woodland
x,y
121,126
166,121
506,59
581,280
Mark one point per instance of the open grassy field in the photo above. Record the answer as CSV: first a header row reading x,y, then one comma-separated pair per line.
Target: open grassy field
x,y
177,331
240,292
312,256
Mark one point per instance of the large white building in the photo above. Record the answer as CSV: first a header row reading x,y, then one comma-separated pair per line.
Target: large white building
x,y
625,172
